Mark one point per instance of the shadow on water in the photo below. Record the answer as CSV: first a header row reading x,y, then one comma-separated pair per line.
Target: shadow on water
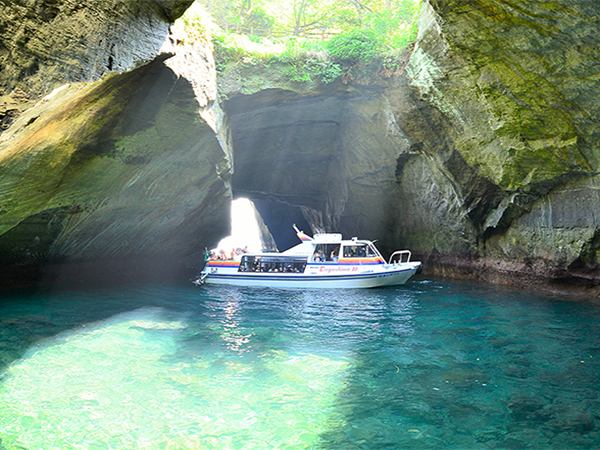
x,y
459,366
40,302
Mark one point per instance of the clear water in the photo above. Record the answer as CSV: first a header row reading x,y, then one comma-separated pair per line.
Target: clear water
x,y
429,365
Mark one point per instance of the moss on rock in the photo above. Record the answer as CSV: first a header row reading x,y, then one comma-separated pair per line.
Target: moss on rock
x,y
124,161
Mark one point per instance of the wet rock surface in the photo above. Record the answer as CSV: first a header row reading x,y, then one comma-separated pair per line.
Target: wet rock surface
x,y
128,171
121,168
48,42
480,153
511,87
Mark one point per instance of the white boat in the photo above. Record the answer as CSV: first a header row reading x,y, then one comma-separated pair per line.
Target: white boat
x,y
323,261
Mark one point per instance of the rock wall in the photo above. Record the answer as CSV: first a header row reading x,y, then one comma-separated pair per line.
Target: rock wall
x,y
45,43
131,167
509,93
123,167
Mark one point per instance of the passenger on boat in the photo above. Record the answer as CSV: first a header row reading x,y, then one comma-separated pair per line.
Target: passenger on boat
x,y
319,256
334,255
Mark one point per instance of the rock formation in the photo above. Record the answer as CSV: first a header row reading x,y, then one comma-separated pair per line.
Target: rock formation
x,y
480,152
513,110
481,155
122,166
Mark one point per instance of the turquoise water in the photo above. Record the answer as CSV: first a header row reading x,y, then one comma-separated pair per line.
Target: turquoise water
x,y
428,365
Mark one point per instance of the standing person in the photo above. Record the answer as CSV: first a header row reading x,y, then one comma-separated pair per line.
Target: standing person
x,y
334,255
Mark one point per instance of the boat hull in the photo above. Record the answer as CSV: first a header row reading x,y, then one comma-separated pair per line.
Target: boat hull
x,y
398,275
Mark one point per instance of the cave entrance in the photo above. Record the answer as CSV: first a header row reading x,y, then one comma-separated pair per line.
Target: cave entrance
x,y
286,151
323,160
247,230
262,225
279,217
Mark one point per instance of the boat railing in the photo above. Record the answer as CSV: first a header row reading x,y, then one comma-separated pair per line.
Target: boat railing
x,y
398,256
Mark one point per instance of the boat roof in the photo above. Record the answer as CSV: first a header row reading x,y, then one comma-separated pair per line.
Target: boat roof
x,y
327,238
306,248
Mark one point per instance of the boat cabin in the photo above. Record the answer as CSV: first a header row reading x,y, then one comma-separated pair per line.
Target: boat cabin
x,y
330,253
272,263
322,249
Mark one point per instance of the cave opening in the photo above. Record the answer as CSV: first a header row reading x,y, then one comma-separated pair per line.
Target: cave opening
x,y
323,160
246,231
285,153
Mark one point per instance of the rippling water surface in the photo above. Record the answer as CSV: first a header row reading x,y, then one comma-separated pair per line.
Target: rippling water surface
x,y
428,365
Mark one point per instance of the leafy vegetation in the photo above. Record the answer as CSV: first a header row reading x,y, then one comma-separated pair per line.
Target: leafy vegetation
x,y
320,40
355,45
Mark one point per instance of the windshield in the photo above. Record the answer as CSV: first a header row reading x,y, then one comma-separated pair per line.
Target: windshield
x,y
360,251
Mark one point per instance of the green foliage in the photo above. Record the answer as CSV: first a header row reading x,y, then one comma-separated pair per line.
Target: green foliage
x,y
313,68
259,22
231,48
320,40
355,45
300,47
225,52
396,28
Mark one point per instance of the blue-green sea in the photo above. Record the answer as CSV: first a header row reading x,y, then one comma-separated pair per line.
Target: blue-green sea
x,y
429,365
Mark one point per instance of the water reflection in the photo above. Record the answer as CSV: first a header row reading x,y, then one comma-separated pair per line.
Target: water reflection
x,y
235,338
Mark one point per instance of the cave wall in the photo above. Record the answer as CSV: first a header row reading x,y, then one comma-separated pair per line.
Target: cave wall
x,y
512,89
121,168
131,165
45,43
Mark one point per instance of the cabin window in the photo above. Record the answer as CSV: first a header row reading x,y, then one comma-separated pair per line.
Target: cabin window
x,y
326,253
371,251
355,251
360,251
272,264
